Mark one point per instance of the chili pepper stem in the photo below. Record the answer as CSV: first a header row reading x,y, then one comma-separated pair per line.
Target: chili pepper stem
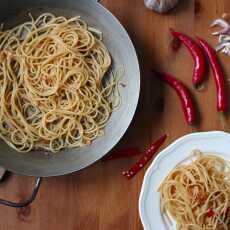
x,y
223,122
194,130
199,87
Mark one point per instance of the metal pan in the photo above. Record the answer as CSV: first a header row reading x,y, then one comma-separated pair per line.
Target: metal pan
x,y
41,164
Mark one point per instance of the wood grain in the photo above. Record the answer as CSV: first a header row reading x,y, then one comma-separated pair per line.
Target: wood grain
x,y
99,197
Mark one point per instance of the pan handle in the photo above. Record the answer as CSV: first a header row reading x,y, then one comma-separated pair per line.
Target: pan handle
x,y
2,172
25,202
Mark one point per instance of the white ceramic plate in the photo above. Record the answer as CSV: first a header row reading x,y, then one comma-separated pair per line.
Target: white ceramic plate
x,y
149,202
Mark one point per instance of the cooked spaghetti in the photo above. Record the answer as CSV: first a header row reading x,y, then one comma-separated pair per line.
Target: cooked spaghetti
x,y
197,195
52,87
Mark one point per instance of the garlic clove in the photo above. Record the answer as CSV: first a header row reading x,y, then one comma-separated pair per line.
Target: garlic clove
x,y
226,50
161,6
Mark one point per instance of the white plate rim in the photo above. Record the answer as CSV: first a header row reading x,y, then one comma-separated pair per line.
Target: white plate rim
x,y
155,164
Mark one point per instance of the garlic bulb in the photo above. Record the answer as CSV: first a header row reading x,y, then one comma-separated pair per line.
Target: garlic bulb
x,y
161,6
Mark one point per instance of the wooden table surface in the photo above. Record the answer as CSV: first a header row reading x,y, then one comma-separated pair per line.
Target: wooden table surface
x,y
98,197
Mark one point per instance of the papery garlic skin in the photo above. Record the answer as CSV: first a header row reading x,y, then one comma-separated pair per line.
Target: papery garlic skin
x,y
224,35
161,6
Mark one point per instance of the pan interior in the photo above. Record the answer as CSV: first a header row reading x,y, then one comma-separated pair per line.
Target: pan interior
x,y
41,163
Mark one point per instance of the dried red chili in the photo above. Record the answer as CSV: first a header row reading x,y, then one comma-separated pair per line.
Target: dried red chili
x,y
149,153
128,152
210,213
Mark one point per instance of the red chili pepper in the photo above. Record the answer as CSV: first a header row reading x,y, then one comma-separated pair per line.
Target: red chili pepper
x,y
210,213
222,94
128,152
145,158
184,95
198,57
